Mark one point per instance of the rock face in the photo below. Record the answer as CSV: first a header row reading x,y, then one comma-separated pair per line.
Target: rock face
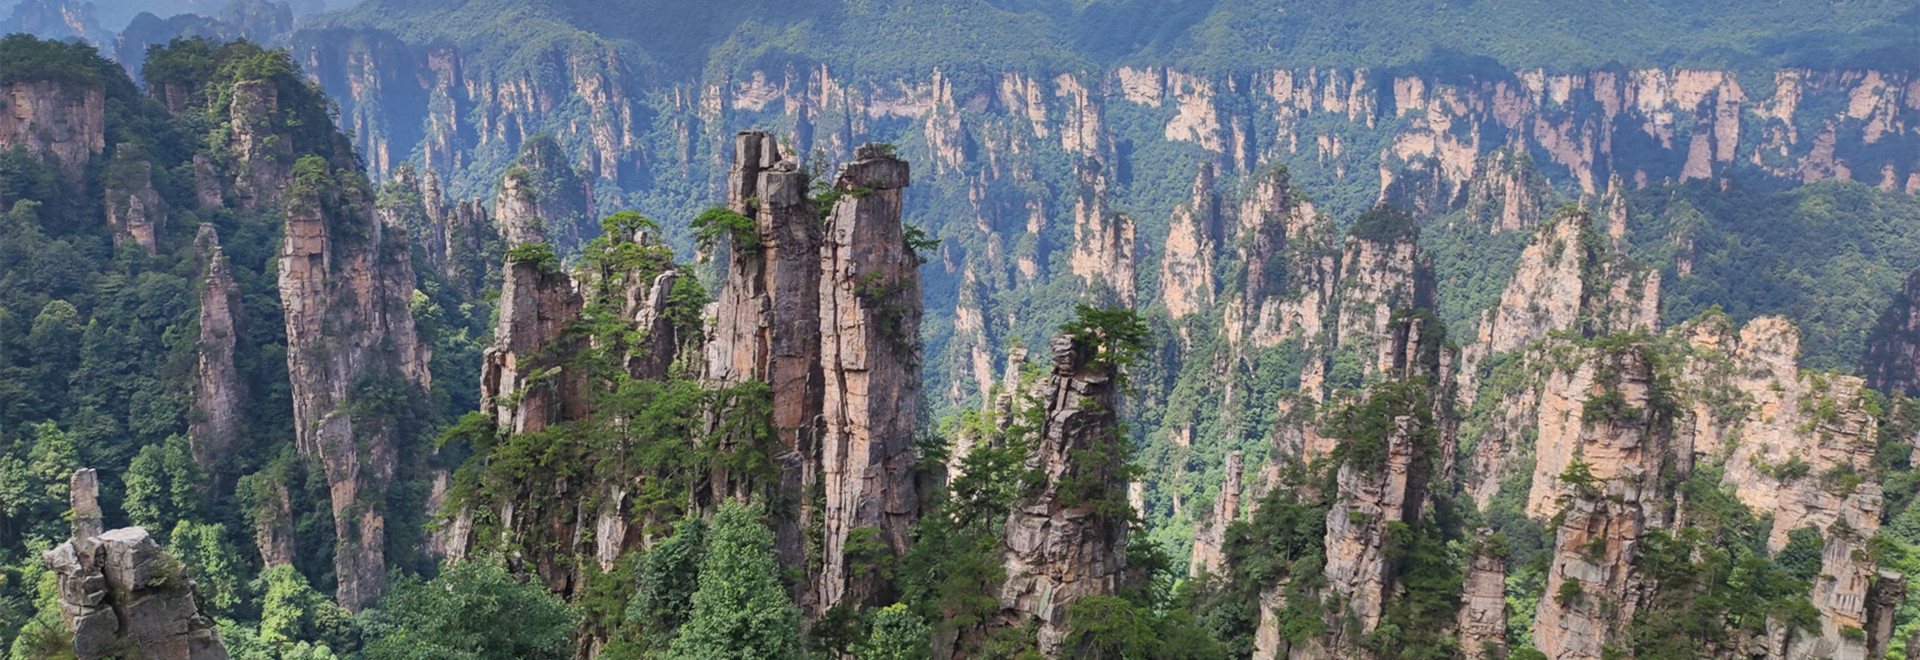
x,y
537,304
767,322
870,357
60,124
1058,551
1388,483
1209,540
1557,286
1593,552
1892,362
1104,240
219,394
134,208
542,191
1292,260
1482,621
119,585
1186,272
346,285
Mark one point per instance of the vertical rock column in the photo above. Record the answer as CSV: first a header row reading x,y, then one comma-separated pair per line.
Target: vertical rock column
x,y
870,358
1059,551
1209,541
218,391
766,324
346,299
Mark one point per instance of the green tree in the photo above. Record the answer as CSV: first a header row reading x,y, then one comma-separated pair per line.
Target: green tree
x,y
473,611
897,634
162,485
212,561
741,610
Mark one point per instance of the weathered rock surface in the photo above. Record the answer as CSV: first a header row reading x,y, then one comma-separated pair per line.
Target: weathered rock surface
x,y
1482,621
1186,271
219,394
870,357
1209,539
60,124
523,384
346,287
118,587
1059,551
134,209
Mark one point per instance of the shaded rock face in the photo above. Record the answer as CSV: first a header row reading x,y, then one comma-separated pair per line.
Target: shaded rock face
x,y
346,285
1892,362
1209,540
134,208
62,125
118,587
870,356
219,394
1377,279
1059,551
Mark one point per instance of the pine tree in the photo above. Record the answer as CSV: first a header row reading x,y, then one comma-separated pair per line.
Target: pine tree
x,y
741,610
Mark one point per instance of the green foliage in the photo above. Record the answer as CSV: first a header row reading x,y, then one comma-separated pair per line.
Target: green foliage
x,y
291,611
1113,337
720,223
26,58
667,580
740,610
539,254
1385,224
897,634
475,610
1365,428
919,242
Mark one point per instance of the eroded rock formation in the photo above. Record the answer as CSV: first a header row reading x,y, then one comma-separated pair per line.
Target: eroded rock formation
x,y
870,358
117,588
219,394
1057,550
61,124
346,286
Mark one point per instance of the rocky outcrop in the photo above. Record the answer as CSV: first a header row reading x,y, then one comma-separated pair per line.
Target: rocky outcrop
x,y
1380,274
1570,277
1209,539
767,321
134,208
219,395
1292,258
118,588
1104,241
1059,550
1391,439
60,124
1482,621
262,155
346,286
1186,270
543,191
870,358
1591,589
523,384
